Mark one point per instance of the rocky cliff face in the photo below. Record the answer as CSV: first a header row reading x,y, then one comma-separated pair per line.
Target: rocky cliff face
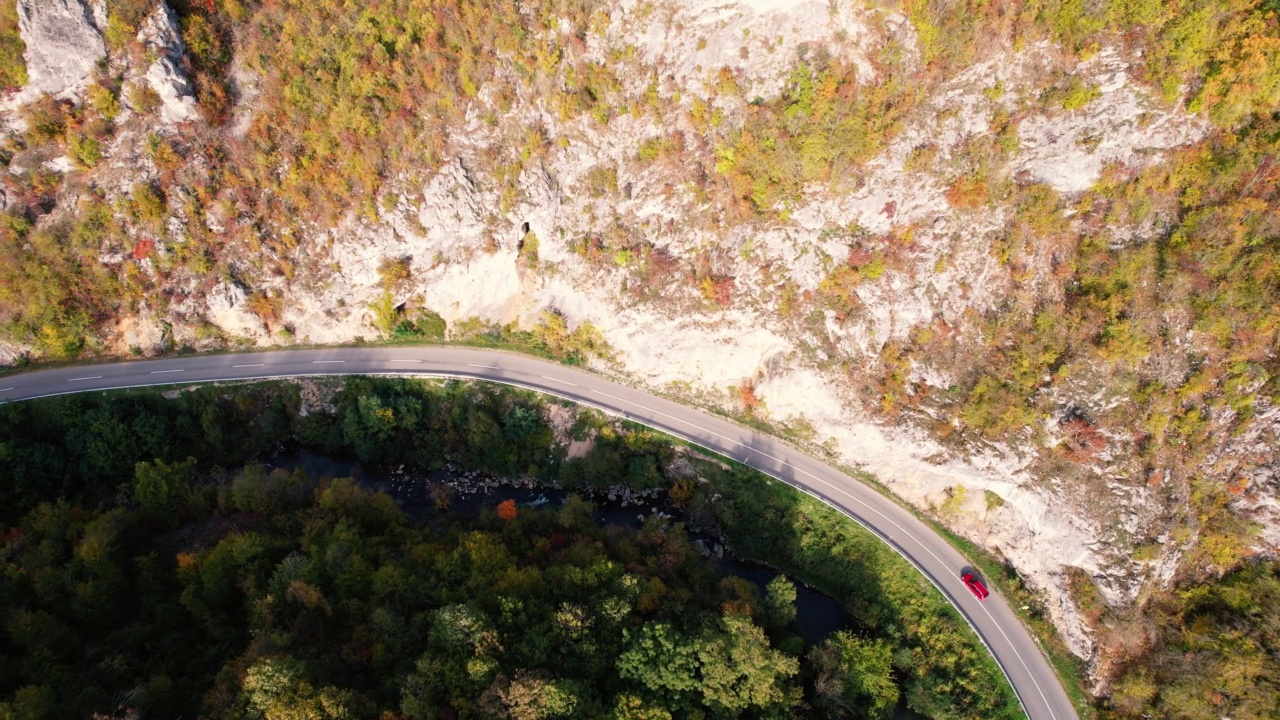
x,y
161,37
64,43
969,205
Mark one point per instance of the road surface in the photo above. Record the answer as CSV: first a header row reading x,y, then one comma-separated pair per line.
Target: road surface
x,y
1012,645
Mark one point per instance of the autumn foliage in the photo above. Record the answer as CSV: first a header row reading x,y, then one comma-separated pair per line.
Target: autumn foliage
x,y
507,510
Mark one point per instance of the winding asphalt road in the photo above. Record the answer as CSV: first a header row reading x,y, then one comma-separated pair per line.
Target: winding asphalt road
x,y
1012,645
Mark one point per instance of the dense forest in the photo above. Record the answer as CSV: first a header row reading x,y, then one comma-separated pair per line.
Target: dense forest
x,y
271,595
191,584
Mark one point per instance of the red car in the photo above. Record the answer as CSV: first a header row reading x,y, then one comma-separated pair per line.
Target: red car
x,y
975,585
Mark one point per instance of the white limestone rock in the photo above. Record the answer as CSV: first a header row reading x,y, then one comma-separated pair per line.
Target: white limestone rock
x,y
227,310
11,352
64,44
160,34
143,332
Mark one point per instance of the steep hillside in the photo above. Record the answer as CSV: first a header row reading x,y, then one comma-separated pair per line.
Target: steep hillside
x,y
1018,262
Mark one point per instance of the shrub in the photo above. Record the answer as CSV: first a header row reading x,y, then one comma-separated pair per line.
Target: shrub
x,y
394,272
85,150
968,192
267,306
994,501
601,180
553,336
921,158
1077,94
385,312
13,67
143,98
148,203
46,121
717,289
427,325
104,102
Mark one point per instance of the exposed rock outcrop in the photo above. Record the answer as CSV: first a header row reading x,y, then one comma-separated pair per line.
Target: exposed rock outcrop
x,y
64,43
160,34
227,309
11,352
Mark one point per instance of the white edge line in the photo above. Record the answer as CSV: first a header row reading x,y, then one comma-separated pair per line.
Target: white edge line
x,y
670,431
566,382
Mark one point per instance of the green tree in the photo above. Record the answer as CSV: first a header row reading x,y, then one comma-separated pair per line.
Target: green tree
x,y
163,489
642,473
853,678
739,671
663,661
780,602
274,689
630,707
530,696
33,702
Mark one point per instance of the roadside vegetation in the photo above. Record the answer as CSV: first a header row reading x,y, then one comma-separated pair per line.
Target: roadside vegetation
x,y
13,69
194,583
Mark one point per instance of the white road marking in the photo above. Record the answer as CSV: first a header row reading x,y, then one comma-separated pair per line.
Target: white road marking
x,y
399,360
566,382
326,362
5,389
161,372
1024,663
254,365
95,377
488,367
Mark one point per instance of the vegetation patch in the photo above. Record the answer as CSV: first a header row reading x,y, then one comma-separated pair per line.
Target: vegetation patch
x,y
13,68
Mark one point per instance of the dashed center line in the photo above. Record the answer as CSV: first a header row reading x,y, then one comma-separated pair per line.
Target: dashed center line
x,y
326,362
487,367
95,377
5,389
566,382
161,372
253,365
408,361
1035,682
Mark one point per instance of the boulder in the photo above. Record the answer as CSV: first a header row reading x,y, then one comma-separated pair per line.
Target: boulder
x,y
160,34
64,43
